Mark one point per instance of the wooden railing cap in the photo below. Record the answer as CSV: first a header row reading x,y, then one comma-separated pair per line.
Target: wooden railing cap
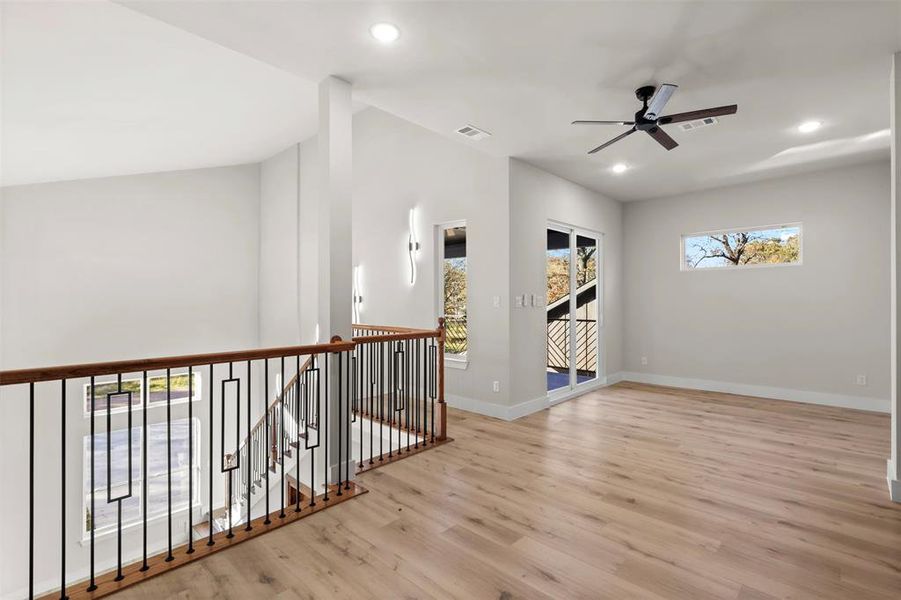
x,y
170,362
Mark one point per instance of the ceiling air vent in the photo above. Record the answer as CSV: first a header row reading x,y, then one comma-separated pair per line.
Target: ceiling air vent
x,y
690,125
472,132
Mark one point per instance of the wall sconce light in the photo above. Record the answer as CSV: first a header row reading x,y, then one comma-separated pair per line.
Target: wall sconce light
x,y
357,294
413,247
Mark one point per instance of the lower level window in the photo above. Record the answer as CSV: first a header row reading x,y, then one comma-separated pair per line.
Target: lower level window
x,y
105,516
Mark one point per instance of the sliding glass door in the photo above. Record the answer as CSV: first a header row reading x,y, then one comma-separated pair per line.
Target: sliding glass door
x,y
574,308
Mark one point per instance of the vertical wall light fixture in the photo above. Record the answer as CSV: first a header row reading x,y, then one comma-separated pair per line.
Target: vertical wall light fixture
x,y
357,294
413,246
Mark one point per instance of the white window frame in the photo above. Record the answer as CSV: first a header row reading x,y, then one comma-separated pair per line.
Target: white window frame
x,y
86,397
686,269
137,485
454,361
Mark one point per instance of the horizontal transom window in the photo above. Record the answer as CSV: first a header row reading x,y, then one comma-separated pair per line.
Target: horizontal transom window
x,y
742,248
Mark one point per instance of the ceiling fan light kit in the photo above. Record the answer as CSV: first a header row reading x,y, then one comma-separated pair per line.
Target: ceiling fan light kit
x,y
648,118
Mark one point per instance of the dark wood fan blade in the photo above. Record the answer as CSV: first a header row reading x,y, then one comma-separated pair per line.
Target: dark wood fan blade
x,y
614,140
719,111
663,138
603,122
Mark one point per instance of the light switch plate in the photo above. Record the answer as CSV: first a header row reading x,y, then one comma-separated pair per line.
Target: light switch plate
x,y
496,301
518,301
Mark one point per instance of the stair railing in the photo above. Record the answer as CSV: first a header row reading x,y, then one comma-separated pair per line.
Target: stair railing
x,y
398,402
118,407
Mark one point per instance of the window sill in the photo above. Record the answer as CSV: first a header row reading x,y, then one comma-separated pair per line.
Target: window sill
x,y
111,531
455,362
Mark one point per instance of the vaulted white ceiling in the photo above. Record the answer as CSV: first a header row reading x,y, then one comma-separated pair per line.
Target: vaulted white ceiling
x,y
93,89
521,70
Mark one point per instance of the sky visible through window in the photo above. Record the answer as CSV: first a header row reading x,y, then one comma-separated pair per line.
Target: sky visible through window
x,y
772,245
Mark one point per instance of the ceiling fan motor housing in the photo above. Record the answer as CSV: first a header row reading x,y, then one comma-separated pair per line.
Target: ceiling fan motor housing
x,y
644,94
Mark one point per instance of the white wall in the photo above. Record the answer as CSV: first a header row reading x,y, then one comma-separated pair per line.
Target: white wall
x,y
125,267
280,303
397,166
796,332
506,205
535,198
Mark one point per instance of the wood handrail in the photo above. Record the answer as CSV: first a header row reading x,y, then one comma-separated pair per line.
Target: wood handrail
x,y
391,328
391,333
152,364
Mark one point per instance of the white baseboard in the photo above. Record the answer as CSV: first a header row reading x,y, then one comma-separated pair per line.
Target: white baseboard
x,y
614,378
859,402
894,490
894,485
489,409
523,409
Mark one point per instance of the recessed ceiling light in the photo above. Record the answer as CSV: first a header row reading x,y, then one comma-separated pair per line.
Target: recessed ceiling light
x,y
619,168
385,32
809,126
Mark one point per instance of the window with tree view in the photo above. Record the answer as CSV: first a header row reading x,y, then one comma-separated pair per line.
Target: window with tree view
x,y
453,245
759,246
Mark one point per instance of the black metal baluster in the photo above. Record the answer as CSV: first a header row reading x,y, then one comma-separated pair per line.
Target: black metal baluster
x,y
92,585
416,393
381,400
308,413
31,490
190,460
144,477
351,395
281,437
425,391
109,469
296,394
210,541
266,441
371,394
229,470
340,419
408,388
326,426
169,557
248,447
433,383
62,493
358,394
392,384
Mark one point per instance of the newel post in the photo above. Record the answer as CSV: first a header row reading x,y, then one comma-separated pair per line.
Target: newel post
x,y
442,407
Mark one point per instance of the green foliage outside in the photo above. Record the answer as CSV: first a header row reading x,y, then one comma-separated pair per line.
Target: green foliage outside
x,y
558,271
455,305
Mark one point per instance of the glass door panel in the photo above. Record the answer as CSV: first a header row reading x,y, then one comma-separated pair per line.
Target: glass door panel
x,y
574,311
558,314
586,310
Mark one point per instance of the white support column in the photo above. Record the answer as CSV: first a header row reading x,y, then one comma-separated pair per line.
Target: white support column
x,y
894,463
335,147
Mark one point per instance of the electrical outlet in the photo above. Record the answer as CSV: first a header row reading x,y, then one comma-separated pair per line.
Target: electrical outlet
x,y
496,386
496,301
861,380
644,360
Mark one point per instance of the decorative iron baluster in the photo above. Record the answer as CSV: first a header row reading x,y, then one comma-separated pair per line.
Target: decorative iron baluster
x,y
62,493
169,557
248,445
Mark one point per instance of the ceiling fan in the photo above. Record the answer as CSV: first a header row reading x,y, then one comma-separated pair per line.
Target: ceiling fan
x,y
648,118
